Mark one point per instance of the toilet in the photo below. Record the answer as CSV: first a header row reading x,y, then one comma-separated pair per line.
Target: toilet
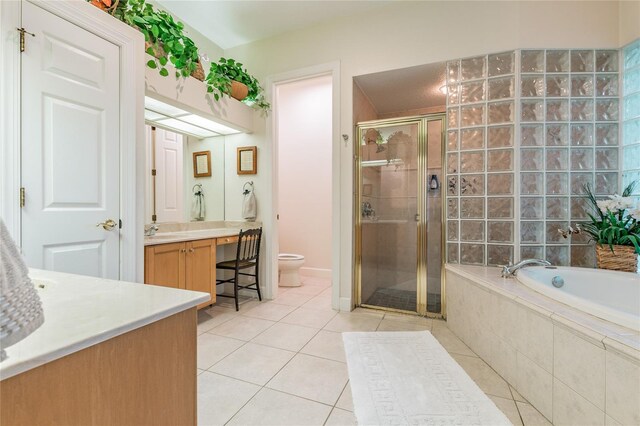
x,y
289,269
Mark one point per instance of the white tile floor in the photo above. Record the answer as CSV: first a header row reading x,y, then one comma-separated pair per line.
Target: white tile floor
x,y
282,362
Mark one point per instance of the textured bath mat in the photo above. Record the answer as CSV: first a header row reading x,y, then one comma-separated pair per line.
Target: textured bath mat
x,y
408,378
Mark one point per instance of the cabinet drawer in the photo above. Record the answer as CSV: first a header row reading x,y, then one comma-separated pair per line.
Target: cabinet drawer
x,y
227,240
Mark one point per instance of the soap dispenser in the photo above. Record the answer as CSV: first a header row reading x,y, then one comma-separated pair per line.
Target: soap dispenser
x,y
433,184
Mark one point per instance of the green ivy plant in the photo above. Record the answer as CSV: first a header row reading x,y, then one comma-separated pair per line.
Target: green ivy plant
x,y
168,43
165,36
616,220
223,72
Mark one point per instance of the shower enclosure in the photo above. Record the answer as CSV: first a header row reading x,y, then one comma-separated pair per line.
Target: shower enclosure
x,y
399,214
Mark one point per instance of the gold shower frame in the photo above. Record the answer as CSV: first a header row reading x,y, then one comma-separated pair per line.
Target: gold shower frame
x,y
421,229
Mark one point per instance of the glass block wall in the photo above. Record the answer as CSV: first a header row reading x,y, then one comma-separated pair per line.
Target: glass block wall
x,y
551,116
481,110
569,138
631,114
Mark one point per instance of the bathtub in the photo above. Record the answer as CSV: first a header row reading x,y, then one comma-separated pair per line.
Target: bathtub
x,y
610,295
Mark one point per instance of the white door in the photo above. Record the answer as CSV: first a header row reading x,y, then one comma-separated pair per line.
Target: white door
x,y
70,147
169,179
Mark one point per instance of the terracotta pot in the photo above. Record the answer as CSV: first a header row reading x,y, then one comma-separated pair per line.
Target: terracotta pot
x,y
623,258
239,90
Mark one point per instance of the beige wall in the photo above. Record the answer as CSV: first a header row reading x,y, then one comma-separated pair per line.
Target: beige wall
x,y
304,175
406,34
629,21
363,109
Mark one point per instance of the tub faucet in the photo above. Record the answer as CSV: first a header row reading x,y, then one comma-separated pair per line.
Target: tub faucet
x,y
151,230
510,270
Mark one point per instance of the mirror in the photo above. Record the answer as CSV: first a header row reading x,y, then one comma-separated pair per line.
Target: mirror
x,y
184,177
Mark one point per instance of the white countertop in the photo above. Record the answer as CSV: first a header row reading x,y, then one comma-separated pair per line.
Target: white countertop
x,y
180,236
190,231
83,311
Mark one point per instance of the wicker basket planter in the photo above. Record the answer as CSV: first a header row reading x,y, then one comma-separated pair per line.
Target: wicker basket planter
x,y
623,258
158,52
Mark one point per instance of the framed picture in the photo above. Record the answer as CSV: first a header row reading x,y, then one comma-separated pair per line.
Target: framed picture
x,y
202,164
247,160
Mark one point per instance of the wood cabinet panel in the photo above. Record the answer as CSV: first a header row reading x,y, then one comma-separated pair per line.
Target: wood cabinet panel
x,y
189,265
227,240
165,265
201,268
144,377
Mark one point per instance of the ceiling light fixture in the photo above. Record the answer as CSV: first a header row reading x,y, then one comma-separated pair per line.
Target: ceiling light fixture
x,y
169,117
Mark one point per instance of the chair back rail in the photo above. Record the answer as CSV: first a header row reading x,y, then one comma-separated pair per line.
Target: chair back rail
x,y
249,245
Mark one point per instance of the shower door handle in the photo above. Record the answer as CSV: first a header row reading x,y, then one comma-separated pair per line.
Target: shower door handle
x,y
417,217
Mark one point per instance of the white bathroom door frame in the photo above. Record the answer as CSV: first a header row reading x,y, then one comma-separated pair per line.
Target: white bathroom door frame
x,y
131,45
271,204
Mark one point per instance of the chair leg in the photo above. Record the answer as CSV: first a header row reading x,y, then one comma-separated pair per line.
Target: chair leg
x,y
235,291
258,285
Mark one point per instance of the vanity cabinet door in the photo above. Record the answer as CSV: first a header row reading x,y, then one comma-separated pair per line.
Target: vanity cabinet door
x,y
201,268
164,264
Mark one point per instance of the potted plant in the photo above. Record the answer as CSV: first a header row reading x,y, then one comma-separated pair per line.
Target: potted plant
x,y
164,36
228,77
615,228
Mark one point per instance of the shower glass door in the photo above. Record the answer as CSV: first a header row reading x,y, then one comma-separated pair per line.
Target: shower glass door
x,y
389,161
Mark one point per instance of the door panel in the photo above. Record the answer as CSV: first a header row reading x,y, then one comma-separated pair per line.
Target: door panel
x,y
84,259
169,179
389,215
70,147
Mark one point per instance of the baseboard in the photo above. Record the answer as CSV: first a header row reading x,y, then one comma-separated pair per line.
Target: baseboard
x,y
315,272
345,304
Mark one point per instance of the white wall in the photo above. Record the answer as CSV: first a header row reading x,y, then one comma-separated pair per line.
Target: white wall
x,y
406,34
304,171
213,186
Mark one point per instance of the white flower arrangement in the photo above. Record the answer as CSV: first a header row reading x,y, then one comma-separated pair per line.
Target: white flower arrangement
x,y
616,221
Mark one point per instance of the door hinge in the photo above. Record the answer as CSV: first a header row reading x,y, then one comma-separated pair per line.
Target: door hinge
x,y
153,172
22,32
120,223
22,197
154,218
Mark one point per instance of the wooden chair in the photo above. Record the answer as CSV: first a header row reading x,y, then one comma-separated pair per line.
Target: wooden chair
x,y
247,256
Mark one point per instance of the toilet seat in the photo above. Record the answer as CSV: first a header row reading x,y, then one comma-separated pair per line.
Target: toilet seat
x,y
290,257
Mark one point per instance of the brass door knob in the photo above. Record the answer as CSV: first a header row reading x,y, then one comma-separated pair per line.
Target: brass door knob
x,y
108,224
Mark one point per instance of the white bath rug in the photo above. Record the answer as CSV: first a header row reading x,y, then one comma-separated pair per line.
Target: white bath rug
x,y
408,378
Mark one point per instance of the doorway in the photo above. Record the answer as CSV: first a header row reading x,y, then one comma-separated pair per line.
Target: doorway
x,y
271,204
304,123
399,218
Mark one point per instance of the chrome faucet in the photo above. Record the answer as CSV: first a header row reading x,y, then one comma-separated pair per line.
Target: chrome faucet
x,y
510,270
565,233
151,230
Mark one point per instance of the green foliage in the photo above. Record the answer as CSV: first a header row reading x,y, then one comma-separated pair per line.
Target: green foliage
x,y
223,72
164,35
611,223
168,43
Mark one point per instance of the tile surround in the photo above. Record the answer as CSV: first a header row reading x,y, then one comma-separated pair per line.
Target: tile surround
x,y
558,360
550,116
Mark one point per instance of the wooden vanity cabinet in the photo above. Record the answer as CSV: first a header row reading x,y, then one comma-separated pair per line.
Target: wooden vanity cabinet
x,y
190,265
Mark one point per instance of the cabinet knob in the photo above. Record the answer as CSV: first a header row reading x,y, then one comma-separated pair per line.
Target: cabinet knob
x,y
191,250
183,250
